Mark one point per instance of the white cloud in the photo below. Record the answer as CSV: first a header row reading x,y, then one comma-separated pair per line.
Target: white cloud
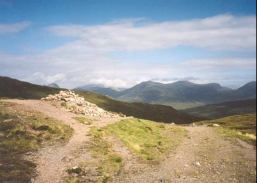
x,y
222,32
171,80
77,69
87,60
220,63
13,28
43,78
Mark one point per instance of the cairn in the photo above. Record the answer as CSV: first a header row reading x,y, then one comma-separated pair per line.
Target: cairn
x,y
76,104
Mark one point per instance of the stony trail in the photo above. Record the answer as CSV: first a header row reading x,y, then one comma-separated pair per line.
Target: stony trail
x,y
53,161
204,156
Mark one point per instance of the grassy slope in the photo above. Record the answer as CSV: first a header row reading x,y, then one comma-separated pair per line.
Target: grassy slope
x,y
215,111
240,126
12,88
21,131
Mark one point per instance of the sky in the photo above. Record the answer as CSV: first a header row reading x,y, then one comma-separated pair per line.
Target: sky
x,y
121,43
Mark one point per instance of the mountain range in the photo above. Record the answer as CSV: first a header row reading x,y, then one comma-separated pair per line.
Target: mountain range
x,y
180,94
185,91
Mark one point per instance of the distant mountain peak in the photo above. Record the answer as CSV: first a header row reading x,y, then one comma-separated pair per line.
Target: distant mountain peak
x,y
89,86
150,82
54,85
183,82
248,87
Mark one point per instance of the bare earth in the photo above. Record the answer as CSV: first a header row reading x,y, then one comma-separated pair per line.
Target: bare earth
x,y
202,157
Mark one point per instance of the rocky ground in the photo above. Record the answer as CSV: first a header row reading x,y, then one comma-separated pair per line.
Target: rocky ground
x,y
204,156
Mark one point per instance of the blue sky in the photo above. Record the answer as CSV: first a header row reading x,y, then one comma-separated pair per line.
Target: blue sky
x,y
120,43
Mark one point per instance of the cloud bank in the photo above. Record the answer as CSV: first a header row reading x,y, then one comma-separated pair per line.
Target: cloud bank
x,y
89,59
223,32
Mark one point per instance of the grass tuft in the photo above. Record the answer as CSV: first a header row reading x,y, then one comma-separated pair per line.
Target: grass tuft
x,y
84,120
64,104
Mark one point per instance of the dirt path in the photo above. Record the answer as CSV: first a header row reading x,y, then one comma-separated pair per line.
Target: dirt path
x,y
202,157
52,161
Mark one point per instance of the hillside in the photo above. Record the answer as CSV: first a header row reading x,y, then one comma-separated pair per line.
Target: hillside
x,y
11,88
155,112
42,142
181,94
87,87
100,89
215,111
181,91
186,92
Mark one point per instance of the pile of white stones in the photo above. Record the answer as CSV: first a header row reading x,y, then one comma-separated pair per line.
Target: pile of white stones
x,y
78,105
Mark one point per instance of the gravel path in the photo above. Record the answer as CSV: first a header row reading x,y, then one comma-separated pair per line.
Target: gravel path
x,y
202,157
53,161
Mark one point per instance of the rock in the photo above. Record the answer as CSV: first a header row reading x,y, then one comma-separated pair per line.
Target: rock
x,y
7,120
197,164
215,125
66,159
48,98
76,170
